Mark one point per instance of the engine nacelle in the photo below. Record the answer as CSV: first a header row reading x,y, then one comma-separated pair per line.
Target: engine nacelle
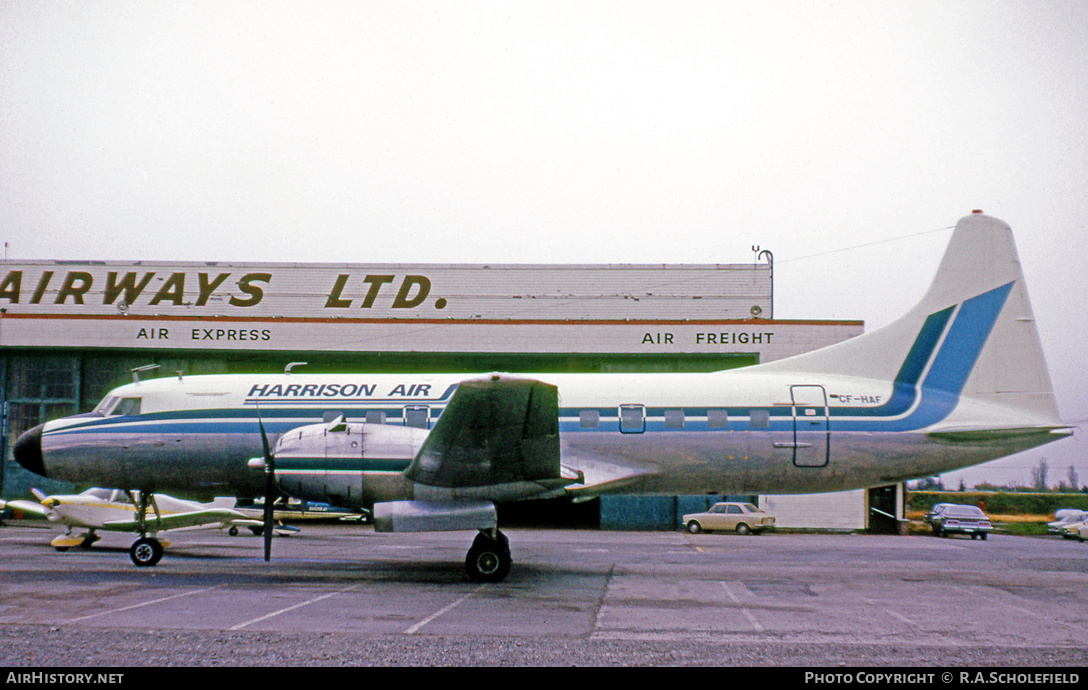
x,y
434,516
351,465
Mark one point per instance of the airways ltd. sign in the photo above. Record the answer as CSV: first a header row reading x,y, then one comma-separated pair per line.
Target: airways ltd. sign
x,y
522,292
45,288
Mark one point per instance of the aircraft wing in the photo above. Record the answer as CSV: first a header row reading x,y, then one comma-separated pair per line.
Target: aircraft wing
x,y
211,517
598,475
498,439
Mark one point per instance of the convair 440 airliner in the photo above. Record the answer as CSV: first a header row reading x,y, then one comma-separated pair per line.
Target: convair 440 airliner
x,y
957,381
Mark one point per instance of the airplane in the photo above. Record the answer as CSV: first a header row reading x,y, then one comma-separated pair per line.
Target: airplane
x,y
958,380
114,510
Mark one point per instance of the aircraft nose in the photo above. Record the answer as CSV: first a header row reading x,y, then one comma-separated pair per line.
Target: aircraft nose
x,y
28,450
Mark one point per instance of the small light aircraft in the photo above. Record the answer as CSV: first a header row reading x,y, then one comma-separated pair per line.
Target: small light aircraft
x,y
959,380
113,510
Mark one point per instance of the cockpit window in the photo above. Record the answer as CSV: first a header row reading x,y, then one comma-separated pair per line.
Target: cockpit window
x,y
103,408
127,407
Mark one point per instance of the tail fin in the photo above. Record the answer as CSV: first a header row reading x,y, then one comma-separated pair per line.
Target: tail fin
x,y
973,334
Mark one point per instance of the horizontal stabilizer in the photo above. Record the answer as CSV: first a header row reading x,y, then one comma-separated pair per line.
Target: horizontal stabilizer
x,y
1041,434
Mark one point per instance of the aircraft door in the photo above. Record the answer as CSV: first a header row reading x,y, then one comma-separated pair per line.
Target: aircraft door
x,y
811,434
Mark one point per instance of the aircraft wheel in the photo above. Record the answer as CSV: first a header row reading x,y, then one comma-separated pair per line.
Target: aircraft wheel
x,y
694,527
145,551
743,529
489,559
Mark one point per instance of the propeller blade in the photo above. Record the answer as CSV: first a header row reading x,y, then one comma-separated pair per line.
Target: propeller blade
x,y
269,489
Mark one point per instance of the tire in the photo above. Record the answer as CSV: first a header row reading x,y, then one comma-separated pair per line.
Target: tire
x,y
145,552
694,527
489,559
743,529
233,531
982,536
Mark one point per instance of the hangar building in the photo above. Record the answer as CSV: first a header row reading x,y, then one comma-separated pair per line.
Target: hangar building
x,y
70,331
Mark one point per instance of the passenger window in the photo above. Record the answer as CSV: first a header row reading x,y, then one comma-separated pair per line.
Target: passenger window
x,y
589,419
760,419
717,419
375,417
632,418
418,417
674,419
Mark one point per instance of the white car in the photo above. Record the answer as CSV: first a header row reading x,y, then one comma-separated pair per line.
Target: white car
x,y
1072,530
742,518
1067,517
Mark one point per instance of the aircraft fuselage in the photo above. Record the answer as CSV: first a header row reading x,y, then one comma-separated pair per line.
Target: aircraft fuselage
x,y
730,432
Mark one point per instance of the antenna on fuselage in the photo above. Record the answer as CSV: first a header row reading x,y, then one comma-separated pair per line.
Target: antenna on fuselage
x,y
287,369
137,370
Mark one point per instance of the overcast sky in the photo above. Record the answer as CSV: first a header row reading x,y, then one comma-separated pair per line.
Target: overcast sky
x,y
845,137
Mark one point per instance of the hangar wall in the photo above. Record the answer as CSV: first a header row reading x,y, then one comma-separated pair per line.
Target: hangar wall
x,y
70,331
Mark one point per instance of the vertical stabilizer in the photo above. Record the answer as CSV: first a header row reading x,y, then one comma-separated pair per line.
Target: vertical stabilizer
x,y
973,334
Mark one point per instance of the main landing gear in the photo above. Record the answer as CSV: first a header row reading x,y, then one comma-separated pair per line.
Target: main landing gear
x,y
489,558
145,551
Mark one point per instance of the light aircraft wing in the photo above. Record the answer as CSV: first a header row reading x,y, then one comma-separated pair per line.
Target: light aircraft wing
x,y
211,517
31,507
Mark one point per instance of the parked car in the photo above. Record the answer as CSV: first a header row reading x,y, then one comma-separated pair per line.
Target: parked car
x,y
1067,518
742,518
962,519
1082,532
936,510
1071,530
1060,513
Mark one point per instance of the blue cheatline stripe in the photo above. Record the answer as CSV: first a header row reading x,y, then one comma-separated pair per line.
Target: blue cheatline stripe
x,y
952,365
968,335
905,387
291,465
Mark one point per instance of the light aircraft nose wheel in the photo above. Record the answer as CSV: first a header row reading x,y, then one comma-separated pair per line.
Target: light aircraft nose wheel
x,y
489,559
145,551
